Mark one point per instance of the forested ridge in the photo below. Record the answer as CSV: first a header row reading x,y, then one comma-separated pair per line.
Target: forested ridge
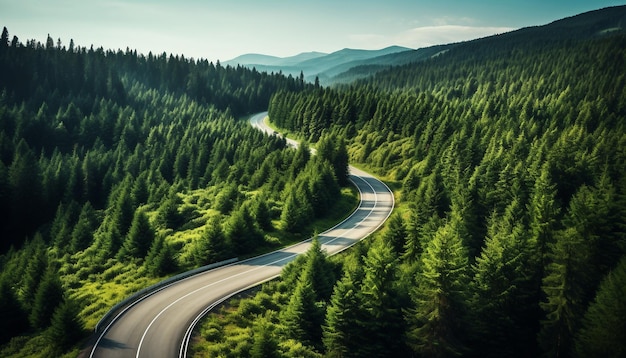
x,y
508,155
509,239
118,169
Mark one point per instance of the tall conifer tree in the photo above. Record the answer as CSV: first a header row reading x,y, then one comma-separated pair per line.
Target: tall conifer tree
x,y
439,313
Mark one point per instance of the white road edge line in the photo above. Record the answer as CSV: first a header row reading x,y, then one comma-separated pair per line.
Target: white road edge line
x,y
248,271
187,337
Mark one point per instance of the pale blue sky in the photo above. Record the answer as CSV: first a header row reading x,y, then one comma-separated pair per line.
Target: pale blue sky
x,y
225,29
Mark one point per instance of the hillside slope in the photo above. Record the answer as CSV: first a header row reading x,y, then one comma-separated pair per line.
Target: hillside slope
x,y
509,155
598,23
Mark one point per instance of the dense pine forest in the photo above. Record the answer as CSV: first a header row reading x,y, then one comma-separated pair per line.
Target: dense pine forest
x,y
509,156
118,169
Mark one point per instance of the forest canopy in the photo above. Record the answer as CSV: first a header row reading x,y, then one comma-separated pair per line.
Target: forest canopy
x,y
507,155
511,157
118,169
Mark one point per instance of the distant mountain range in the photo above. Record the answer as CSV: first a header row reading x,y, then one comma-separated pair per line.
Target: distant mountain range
x,y
349,64
314,64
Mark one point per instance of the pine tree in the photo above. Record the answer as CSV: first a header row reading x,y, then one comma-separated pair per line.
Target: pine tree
x,y
503,289
26,188
5,200
265,343
121,217
325,148
427,208
300,159
35,271
49,43
169,216
319,271
436,321
340,331
160,259
139,238
212,245
396,233
14,318
295,212
261,213
302,317
335,151
4,39
227,198
544,212
566,282
382,321
82,234
66,328
47,298
139,193
64,220
604,324
242,235
574,272
341,163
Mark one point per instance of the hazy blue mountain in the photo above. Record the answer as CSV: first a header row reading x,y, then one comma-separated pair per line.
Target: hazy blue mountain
x,y
253,59
312,64
348,55
350,64
350,71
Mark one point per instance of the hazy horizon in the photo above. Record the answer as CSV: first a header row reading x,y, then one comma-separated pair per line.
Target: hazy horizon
x,y
281,28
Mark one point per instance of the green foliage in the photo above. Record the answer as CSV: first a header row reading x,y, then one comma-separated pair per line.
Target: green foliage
x,y
241,232
66,328
396,233
148,147
226,199
139,239
265,343
381,321
296,212
212,246
169,215
340,335
261,212
603,323
437,320
160,260
504,289
14,318
504,139
334,150
319,271
303,315
473,136
82,234
48,297
35,271
571,276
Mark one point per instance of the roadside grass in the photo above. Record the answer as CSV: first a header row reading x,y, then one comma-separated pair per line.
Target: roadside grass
x,y
103,290
344,206
227,328
101,287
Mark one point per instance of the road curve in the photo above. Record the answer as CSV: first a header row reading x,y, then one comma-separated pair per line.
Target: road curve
x,y
160,325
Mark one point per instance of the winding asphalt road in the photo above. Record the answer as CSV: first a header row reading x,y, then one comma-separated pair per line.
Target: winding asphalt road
x,y
160,325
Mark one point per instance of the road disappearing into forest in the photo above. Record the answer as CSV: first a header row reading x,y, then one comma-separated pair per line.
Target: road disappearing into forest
x,y
160,324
